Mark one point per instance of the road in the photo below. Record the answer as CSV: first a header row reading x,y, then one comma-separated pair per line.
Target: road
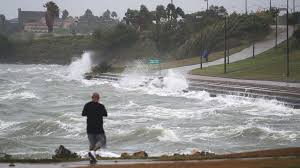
x,y
260,47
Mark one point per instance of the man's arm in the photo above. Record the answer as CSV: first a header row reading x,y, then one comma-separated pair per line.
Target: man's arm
x,y
104,111
84,111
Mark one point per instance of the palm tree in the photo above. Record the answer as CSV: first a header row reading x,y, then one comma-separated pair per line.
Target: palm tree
x,y
51,13
65,14
106,15
114,14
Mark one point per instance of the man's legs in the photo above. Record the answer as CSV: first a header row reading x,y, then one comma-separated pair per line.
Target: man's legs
x,y
97,141
101,141
93,140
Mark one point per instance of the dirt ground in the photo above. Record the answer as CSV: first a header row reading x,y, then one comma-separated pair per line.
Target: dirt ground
x,y
257,163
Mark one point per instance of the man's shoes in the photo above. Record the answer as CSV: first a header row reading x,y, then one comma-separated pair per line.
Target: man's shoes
x,y
92,162
93,159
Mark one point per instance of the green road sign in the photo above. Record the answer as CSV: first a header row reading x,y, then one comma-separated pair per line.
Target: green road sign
x,y
154,61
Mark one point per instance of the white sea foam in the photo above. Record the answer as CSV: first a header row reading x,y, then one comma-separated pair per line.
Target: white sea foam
x,y
80,66
174,82
249,130
21,95
93,82
102,153
4,124
166,134
169,113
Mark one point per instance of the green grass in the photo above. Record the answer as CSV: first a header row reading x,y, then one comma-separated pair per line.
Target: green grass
x,y
50,50
269,65
196,60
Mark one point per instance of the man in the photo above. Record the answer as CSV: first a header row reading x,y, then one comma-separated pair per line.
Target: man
x,y
205,55
94,111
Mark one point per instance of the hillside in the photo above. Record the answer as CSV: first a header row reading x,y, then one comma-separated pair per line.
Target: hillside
x,y
270,65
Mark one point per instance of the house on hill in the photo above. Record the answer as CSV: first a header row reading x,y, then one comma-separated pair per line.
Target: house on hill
x,y
34,21
30,16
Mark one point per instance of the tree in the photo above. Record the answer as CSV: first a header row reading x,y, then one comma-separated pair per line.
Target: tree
x,y
51,13
106,15
65,14
2,19
131,17
171,11
120,35
88,13
160,13
179,12
114,14
145,18
5,46
2,23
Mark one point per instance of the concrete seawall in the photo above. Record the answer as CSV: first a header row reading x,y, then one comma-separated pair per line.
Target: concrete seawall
x,y
288,95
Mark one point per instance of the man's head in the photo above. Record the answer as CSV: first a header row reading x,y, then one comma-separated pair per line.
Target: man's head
x,y
95,97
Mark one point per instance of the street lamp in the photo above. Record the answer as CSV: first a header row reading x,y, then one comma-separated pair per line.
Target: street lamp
x,y
246,7
225,38
206,4
287,39
201,39
254,25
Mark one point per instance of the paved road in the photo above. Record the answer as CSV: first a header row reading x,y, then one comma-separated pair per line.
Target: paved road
x,y
261,47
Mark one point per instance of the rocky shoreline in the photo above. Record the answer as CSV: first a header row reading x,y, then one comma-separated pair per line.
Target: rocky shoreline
x,y
63,154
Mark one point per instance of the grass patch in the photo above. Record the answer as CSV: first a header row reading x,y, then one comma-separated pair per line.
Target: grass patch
x,y
269,65
196,60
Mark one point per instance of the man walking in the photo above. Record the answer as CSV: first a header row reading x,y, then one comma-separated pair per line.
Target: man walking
x,y
94,111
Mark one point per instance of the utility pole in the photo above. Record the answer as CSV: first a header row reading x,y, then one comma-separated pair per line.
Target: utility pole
x,y
201,52
172,2
276,35
206,4
294,6
246,7
254,25
287,41
270,5
225,44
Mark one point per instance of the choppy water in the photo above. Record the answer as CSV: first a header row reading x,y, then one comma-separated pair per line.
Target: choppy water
x,y
40,108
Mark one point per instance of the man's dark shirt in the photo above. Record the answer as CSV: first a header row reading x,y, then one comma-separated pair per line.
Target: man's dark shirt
x,y
95,113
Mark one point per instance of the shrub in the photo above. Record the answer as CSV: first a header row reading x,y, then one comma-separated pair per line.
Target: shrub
x,y
5,46
121,35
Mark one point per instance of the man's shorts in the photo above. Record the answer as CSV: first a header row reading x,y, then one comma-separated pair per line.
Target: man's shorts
x,y
97,141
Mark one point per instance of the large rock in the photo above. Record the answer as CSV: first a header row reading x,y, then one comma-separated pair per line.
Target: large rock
x,y
202,153
141,154
196,153
63,153
125,155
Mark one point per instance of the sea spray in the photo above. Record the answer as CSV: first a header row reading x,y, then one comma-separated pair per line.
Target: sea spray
x,y
174,81
135,75
140,76
80,66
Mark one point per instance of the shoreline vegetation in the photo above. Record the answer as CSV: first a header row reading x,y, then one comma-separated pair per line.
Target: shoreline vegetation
x,y
194,156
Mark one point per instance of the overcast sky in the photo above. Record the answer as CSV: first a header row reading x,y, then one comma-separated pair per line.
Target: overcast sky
x,y
77,7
